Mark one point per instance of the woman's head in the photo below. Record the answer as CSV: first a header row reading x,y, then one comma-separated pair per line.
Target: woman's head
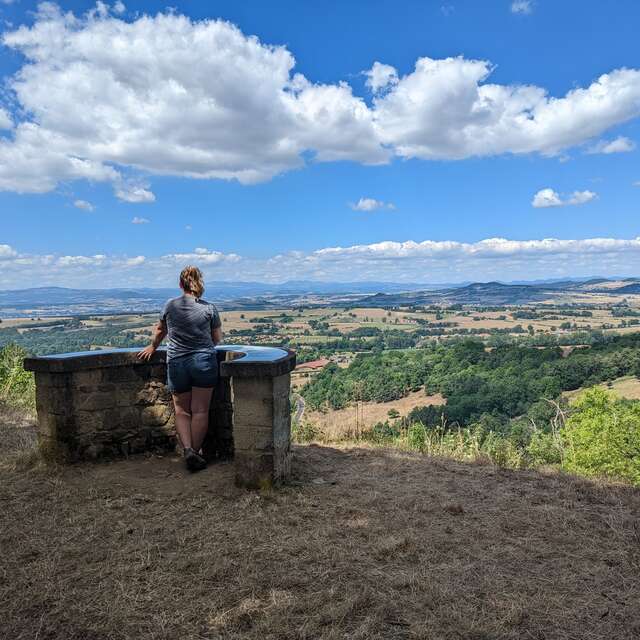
x,y
191,281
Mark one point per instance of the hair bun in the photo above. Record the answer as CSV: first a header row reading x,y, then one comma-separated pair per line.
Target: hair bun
x,y
191,280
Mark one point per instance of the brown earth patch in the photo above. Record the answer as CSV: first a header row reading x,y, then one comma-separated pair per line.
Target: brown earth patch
x,y
362,544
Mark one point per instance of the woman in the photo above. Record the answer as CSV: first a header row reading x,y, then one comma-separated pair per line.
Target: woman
x,y
194,328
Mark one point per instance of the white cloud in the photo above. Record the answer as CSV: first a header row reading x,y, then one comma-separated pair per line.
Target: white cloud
x,y
119,7
6,122
137,220
7,252
166,95
371,204
618,145
380,76
410,261
203,256
522,6
445,110
134,193
550,198
84,205
75,261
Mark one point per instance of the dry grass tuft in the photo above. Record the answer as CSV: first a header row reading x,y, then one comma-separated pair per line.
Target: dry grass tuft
x,y
389,545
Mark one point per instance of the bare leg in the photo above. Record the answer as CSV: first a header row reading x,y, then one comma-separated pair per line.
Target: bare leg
x,y
182,403
200,401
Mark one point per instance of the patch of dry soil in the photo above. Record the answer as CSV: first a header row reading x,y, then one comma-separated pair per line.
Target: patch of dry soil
x,y
363,544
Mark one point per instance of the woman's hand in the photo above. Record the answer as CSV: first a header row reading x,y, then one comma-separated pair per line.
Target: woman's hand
x,y
159,334
147,352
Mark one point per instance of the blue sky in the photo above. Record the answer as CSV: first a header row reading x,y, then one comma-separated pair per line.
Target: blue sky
x,y
415,171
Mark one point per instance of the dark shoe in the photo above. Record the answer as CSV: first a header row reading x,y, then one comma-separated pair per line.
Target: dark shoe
x,y
194,461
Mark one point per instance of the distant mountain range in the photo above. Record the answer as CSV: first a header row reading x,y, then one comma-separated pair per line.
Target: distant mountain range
x,y
499,293
49,301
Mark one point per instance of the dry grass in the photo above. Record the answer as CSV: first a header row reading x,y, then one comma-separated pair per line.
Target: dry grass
x,y
340,423
363,544
627,387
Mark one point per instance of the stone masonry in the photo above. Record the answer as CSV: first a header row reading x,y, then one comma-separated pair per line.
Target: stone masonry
x,y
101,404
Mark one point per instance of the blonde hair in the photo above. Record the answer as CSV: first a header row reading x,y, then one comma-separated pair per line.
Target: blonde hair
x,y
191,281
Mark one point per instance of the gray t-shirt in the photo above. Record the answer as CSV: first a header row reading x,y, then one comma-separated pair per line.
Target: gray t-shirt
x,y
189,325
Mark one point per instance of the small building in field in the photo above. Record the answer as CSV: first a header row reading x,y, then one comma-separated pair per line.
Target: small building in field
x,y
306,370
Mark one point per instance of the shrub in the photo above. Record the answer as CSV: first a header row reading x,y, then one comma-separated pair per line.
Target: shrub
x,y
502,451
381,433
304,432
544,448
17,386
417,436
602,437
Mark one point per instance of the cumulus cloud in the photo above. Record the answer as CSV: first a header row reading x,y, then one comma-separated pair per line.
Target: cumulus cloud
x,y
84,205
410,261
106,99
202,255
522,7
380,76
444,109
618,145
371,204
137,220
550,198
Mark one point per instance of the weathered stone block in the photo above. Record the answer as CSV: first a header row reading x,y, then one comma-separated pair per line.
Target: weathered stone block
x,y
44,379
52,400
88,422
254,439
96,401
282,464
51,425
253,411
88,378
156,415
147,395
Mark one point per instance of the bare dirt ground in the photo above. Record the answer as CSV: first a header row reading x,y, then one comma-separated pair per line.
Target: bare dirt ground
x,y
364,544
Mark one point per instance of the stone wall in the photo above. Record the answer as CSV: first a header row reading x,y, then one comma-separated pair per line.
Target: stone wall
x,y
110,404
105,412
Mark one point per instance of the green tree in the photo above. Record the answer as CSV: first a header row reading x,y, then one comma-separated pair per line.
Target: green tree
x,y
602,437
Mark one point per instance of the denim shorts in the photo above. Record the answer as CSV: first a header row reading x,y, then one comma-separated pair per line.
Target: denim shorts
x,y
198,369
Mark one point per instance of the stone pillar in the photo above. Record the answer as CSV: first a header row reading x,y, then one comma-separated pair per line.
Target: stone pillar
x,y
261,417
262,424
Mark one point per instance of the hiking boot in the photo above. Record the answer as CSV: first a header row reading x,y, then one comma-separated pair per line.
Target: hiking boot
x,y
194,461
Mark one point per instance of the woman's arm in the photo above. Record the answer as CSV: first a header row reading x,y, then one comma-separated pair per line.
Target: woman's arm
x,y
216,334
159,334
